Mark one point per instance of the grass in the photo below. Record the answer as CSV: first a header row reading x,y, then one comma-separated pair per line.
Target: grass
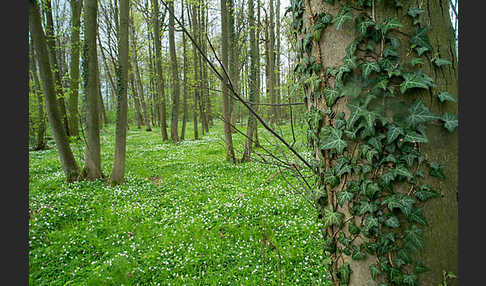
x,y
184,216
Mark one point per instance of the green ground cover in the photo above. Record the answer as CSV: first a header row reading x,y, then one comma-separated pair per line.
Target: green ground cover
x,y
183,217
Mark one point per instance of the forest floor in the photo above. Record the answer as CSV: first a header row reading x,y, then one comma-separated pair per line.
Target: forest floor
x,y
184,216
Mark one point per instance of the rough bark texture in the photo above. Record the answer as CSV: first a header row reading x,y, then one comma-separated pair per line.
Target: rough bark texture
x,y
442,233
230,153
93,149
66,156
175,78
74,67
118,171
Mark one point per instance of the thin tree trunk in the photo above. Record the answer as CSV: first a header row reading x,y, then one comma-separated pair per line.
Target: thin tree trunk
x,y
66,156
184,83
175,77
41,126
118,171
230,153
252,82
194,27
93,149
138,79
74,67
277,65
138,114
51,43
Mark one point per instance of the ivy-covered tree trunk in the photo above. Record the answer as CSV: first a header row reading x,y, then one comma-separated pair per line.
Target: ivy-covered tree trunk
x,y
381,91
66,156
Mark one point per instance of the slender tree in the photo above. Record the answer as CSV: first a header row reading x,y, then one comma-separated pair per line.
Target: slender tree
x,y
118,171
74,67
41,124
175,77
92,169
184,74
68,163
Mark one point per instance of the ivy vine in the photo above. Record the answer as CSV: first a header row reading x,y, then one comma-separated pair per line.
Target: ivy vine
x,y
367,158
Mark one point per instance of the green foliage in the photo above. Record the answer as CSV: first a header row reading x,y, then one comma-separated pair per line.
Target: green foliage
x,y
445,96
331,138
450,121
343,15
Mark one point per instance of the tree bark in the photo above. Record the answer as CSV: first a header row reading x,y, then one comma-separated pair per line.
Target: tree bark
x,y
41,125
441,213
184,83
175,77
230,153
93,149
118,171
194,27
66,156
74,67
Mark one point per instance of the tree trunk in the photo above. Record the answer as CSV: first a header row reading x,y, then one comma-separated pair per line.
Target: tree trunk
x,y
175,77
118,171
160,79
66,156
252,82
330,49
41,126
233,61
184,83
230,153
138,79
74,67
278,92
195,54
51,43
138,114
93,149
257,95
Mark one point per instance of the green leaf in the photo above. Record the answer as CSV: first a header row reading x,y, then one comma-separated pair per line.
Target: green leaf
x,y
388,177
436,170
445,96
365,207
410,279
389,51
415,80
344,196
402,171
343,16
390,24
374,271
414,239
400,201
415,137
425,193
416,61
356,111
440,62
450,121
370,223
331,138
420,39
357,253
353,228
363,25
415,11
331,95
421,50
419,113
416,215
331,217
392,222
368,67
392,133
344,273
420,268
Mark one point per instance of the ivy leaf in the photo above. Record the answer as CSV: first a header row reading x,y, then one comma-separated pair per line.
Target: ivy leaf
x,y
445,96
414,239
344,273
365,207
371,222
374,271
450,121
402,171
415,11
392,133
331,217
356,111
420,39
419,113
416,215
420,268
416,61
436,170
414,80
353,228
390,24
368,67
440,62
331,96
415,137
343,16
388,177
425,193
344,196
410,279
363,24
400,201
357,253
392,222
389,51
421,50
331,139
